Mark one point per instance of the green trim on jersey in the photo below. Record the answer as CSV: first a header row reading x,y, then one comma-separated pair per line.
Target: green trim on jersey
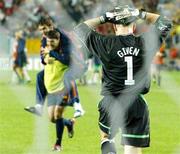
x,y
142,96
104,125
135,136
54,76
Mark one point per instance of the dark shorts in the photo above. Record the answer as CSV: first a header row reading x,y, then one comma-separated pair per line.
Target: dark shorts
x,y
130,113
54,99
21,60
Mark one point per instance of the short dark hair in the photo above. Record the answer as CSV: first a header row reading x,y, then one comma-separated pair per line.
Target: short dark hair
x,y
45,21
53,34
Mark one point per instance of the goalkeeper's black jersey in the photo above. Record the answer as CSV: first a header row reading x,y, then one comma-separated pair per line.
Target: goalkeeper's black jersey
x,y
124,60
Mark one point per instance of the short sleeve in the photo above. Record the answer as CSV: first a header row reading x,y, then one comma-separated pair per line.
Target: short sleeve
x,y
95,42
82,31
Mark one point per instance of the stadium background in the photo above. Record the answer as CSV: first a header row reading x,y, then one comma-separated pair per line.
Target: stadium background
x,y
24,15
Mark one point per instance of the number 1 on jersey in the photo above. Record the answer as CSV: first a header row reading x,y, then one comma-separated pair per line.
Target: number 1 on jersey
x,y
129,80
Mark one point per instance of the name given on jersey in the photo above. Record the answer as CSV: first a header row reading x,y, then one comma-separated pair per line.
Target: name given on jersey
x,y
129,60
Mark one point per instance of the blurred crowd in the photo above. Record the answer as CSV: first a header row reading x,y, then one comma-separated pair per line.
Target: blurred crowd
x,y
7,8
68,13
77,9
74,11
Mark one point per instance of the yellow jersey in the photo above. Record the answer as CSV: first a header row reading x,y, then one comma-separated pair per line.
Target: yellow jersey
x,y
54,76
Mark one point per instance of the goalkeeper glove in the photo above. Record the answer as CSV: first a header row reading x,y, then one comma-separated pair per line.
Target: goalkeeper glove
x,y
120,13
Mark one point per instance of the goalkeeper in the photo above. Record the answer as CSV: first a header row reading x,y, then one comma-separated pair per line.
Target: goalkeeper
x,y
126,60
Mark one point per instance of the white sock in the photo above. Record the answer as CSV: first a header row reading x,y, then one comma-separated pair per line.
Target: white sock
x,y
77,106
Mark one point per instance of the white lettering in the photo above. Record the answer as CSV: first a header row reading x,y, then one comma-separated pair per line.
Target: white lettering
x,y
120,54
124,51
136,51
128,51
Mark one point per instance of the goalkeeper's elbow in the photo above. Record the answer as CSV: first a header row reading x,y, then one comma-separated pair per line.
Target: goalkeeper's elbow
x,y
164,26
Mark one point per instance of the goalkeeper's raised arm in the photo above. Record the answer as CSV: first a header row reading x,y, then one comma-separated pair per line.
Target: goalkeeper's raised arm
x,y
125,15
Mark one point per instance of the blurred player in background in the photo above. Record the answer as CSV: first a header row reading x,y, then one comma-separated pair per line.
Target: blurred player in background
x,y
94,69
27,78
19,56
97,70
158,63
45,25
126,61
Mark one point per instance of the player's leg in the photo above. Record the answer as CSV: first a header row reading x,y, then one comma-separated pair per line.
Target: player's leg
x,y
58,100
96,73
15,71
59,121
41,93
55,116
59,127
107,143
153,72
132,150
69,123
83,79
90,64
26,75
18,72
20,68
51,110
135,133
159,67
74,99
21,74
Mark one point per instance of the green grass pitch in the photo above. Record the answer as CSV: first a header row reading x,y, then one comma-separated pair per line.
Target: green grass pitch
x,y
23,133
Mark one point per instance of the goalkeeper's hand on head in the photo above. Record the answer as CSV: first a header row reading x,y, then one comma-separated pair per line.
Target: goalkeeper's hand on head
x,y
121,12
